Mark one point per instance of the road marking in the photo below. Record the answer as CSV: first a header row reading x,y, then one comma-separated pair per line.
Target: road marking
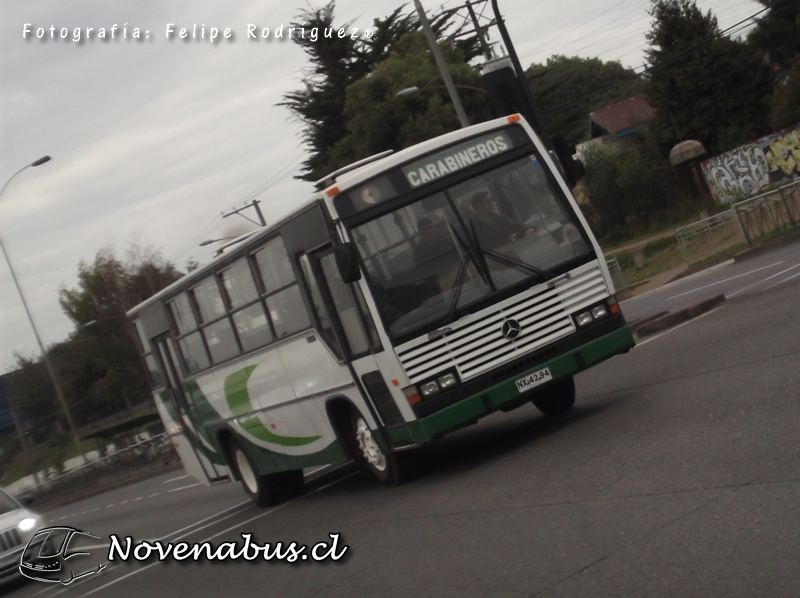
x,y
644,342
109,506
239,525
784,280
135,499
705,272
152,495
764,280
723,280
184,487
183,477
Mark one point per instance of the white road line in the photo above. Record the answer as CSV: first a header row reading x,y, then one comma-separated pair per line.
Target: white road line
x,y
644,342
109,506
259,516
152,495
723,280
705,272
763,280
183,477
184,487
135,499
782,281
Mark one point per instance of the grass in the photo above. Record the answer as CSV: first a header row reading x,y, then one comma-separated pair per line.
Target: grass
x,y
661,254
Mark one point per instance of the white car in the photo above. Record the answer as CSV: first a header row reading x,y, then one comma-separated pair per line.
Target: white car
x,y
17,526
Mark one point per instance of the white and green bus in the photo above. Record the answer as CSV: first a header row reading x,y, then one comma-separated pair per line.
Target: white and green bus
x,y
414,294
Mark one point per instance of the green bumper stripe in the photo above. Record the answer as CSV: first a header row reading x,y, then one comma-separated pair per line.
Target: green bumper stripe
x,y
471,409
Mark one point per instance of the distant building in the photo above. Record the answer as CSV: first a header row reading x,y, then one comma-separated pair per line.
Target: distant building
x,y
617,125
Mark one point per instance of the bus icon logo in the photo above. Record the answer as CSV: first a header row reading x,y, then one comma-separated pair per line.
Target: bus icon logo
x,y
48,556
511,329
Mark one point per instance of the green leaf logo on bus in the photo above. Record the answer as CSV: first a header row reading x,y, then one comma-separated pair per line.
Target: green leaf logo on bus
x,y
240,403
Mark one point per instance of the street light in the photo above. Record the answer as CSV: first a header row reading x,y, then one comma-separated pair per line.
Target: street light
x,y
410,91
50,370
210,241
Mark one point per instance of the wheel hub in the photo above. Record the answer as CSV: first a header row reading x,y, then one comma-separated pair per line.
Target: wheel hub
x,y
247,473
370,449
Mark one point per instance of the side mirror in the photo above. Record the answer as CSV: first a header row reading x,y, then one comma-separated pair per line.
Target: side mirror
x,y
347,262
26,500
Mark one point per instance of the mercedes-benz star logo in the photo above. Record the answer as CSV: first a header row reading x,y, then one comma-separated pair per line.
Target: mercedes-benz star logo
x,y
511,329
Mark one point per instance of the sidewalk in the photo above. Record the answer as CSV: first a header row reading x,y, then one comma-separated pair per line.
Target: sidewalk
x,y
654,282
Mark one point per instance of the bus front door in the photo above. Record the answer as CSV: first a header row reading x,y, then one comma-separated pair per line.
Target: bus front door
x,y
188,439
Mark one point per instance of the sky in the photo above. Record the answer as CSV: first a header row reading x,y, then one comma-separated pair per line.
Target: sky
x,y
153,138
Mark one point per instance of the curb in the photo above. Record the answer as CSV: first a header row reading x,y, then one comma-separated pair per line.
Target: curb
x,y
661,322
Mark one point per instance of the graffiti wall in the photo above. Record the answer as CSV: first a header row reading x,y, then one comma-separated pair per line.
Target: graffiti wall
x,y
756,167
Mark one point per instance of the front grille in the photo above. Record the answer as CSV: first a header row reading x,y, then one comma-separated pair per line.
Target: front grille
x,y
9,540
476,343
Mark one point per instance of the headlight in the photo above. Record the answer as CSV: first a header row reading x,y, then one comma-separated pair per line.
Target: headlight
x,y
599,312
447,381
584,318
429,388
28,524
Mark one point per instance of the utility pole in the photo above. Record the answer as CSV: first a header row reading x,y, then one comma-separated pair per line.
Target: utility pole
x,y
437,55
480,31
538,121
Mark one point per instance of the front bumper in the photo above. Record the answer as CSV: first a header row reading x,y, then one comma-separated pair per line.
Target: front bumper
x,y
503,394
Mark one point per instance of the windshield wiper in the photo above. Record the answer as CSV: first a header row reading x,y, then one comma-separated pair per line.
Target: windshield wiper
x,y
504,259
515,263
469,256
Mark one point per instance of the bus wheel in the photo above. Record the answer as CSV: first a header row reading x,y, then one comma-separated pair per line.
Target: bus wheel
x,y
255,485
368,454
557,398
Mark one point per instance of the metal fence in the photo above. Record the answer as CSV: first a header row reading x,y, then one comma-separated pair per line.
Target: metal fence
x,y
118,467
616,273
769,213
746,221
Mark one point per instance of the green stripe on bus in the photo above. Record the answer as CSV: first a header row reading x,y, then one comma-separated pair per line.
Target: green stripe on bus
x,y
239,403
236,391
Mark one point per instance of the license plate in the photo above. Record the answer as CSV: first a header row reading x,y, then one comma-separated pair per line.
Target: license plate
x,y
535,379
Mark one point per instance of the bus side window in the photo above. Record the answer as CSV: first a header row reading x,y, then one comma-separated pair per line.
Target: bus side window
x,y
321,313
281,290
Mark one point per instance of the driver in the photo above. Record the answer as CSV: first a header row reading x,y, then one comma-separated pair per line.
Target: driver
x,y
492,229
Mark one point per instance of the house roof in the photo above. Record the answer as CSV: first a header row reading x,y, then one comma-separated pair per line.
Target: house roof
x,y
622,118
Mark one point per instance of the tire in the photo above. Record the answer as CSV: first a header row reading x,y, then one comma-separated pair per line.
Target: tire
x,y
556,398
390,469
256,486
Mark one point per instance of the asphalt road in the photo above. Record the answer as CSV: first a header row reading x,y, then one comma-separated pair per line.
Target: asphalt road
x,y
751,273
676,474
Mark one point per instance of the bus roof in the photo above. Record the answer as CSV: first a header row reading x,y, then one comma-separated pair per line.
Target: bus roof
x,y
349,178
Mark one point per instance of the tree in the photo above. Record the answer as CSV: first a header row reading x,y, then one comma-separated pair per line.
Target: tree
x,y
336,64
777,33
378,120
98,366
626,185
568,89
785,100
703,86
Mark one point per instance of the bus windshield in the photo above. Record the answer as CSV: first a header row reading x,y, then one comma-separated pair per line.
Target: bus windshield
x,y
430,259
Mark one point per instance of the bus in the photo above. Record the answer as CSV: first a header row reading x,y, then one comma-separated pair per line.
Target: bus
x,y
414,294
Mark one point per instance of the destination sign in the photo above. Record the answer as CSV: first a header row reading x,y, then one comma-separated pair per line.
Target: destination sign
x,y
457,157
